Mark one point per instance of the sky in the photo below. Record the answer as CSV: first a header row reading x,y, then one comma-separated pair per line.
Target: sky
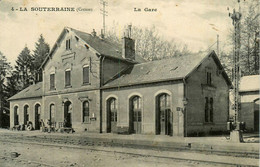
x,y
195,23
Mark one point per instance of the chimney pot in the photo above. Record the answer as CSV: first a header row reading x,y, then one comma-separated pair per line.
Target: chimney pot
x,y
93,33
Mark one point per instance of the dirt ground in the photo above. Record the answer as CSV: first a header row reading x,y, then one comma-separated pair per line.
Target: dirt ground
x,y
36,149
38,155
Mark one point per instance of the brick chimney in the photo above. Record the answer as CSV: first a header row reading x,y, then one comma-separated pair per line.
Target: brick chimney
x,y
128,50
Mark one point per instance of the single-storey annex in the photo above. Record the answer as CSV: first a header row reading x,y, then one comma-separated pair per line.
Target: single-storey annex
x,y
94,85
249,93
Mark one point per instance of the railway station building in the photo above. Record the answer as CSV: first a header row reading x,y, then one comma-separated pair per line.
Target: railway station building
x,y
93,85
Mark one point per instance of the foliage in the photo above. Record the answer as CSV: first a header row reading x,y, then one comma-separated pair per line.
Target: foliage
x,y
39,54
23,69
149,44
249,41
5,70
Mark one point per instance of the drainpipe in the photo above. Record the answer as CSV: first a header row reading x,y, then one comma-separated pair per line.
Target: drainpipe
x,y
101,84
184,107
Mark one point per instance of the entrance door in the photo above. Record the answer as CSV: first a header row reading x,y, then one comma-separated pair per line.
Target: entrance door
x,y
52,113
256,116
136,115
112,115
165,122
37,116
137,121
16,117
67,114
164,116
256,120
26,114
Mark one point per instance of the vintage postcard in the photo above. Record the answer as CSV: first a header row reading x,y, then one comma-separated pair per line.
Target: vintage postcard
x,y
129,83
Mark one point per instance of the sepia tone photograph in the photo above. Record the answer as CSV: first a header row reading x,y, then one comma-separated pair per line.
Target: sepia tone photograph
x,y
147,83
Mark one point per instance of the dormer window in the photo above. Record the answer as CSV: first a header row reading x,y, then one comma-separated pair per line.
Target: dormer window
x,y
68,44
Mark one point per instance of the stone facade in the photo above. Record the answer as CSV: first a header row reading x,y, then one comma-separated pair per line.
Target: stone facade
x,y
82,88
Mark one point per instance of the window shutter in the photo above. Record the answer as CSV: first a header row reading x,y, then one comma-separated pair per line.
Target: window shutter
x,y
86,75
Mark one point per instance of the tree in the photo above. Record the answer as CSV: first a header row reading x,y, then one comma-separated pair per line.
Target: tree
x,y
39,54
249,41
149,44
5,69
23,69
250,38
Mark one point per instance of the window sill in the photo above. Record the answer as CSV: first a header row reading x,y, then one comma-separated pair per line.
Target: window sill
x,y
86,122
52,89
69,86
209,87
85,84
208,123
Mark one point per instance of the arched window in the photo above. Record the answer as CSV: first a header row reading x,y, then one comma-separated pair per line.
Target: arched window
x,y
86,111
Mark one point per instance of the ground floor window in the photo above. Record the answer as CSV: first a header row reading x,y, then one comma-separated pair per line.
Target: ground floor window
x,y
85,111
208,109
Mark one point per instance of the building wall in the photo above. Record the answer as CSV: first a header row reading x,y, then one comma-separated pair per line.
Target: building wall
x,y
31,110
77,100
73,59
248,97
111,67
197,90
148,95
248,107
247,115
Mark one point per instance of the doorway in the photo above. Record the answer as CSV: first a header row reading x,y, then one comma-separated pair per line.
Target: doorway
x,y
67,114
135,115
256,115
111,115
26,114
16,117
37,116
164,116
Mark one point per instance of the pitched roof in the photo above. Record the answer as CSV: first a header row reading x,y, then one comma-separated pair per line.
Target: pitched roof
x,y
29,92
250,83
104,46
162,70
